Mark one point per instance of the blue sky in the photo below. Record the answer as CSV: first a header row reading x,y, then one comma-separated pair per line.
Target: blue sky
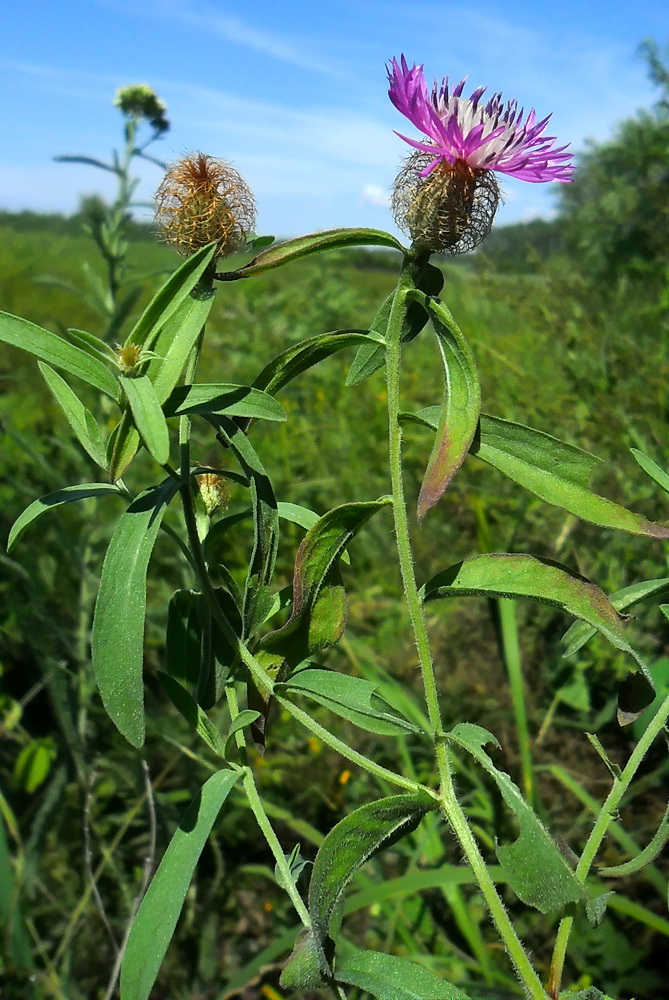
x,y
295,94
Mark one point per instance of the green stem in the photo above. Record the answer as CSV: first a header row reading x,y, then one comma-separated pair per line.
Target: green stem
x,y
602,823
508,627
449,803
262,818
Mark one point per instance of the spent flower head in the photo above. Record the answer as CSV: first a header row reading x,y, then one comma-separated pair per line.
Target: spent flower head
x,y
446,195
203,200
139,101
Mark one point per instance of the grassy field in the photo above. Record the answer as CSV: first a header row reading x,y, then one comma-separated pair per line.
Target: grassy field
x,y
549,356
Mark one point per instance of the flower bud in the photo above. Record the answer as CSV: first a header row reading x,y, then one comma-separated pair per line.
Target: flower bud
x,y
213,492
203,200
451,209
139,101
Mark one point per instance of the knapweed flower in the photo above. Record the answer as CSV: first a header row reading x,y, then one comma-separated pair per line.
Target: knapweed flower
x,y
203,200
139,101
446,195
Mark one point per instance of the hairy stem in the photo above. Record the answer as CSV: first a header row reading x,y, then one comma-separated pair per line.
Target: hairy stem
x,y
449,803
606,816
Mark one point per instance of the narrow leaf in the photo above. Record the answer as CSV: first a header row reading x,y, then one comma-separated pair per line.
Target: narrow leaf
x,y
67,495
314,562
148,416
299,357
388,977
194,715
533,865
352,698
231,400
170,297
304,246
117,639
461,407
257,597
649,853
651,469
79,418
58,352
504,575
157,917
579,633
351,843
91,344
371,358
556,472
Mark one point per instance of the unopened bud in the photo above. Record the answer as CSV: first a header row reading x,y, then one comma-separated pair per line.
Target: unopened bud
x,y
452,209
203,200
213,492
139,101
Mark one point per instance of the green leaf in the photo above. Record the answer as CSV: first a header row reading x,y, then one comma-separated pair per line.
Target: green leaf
x,y
231,400
352,698
91,344
183,638
649,853
300,357
579,633
371,358
174,344
117,639
257,596
148,416
388,977
501,574
67,495
153,927
591,993
315,571
58,352
16,943
170,298
351,843
194,715
461,407
79,418
556,472
533,865
242,721
304,246
651,469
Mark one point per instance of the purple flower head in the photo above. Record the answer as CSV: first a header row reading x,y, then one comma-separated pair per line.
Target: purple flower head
x,y
485,135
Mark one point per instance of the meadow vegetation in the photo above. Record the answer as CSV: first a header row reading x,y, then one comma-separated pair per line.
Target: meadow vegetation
x,y
568,322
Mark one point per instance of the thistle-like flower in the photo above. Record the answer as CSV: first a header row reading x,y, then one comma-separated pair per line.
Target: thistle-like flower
x,y
203,200
446,195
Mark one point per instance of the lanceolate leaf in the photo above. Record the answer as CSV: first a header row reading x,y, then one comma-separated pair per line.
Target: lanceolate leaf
x,y
308,353
649,853
315,558
58,352
304,246
170,297
67,495
370,357
117,640
651,469
257,597
148,416
79,418
533,865
156,919
389,977
231,400
579,633
195,716
352,698
506,575
461,407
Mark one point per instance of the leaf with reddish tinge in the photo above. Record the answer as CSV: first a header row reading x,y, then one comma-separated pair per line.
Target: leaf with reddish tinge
x,y
505,575
461,407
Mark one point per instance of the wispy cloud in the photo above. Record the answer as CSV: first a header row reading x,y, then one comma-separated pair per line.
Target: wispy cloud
x,y
306,52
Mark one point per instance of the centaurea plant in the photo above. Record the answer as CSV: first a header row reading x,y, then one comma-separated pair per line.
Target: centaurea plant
x,y
255,649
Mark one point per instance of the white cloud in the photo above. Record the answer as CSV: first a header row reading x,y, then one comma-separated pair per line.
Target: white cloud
x,y
372,194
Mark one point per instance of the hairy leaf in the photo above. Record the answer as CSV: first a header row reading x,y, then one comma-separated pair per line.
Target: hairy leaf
x,y
156,919
389,977
148,416
533,865
67,495
579,633
117,639
231,400
194,715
